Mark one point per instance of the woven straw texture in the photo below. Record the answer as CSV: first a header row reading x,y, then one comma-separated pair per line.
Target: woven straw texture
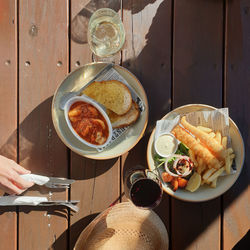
x,y
125,227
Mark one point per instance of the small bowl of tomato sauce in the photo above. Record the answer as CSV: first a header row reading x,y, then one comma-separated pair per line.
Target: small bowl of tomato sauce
x,y
88,121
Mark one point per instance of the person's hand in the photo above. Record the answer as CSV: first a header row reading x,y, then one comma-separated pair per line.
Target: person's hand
x,y
10,180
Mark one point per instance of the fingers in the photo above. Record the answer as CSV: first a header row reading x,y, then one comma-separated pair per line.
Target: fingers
x,y
10,178
21,183
10,188
19,169
17,179
5,190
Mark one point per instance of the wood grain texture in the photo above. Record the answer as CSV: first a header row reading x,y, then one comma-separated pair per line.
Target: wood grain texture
x,y
147,54
98,182
81,12
237,92
197,78
198,34
8,110
43,41
80,52
97,187
46,56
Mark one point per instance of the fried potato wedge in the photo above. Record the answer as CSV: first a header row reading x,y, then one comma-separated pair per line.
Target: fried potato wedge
x,y
216,174
204,129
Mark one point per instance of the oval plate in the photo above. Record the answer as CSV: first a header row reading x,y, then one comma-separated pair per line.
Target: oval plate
x,y
124,143
204,193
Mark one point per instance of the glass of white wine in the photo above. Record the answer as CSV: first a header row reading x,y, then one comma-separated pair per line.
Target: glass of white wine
x,y
106,34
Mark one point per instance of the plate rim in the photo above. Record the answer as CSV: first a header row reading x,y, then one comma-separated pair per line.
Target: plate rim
x,y
93,156
150,141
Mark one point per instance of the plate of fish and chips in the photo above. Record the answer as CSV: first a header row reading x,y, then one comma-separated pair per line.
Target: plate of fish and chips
x,y
207,161
122,98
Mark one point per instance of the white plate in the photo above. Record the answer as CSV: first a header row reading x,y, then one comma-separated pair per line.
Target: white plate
x,y
124,143
204,193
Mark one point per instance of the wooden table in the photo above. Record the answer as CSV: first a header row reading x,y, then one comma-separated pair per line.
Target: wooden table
x,y
183,51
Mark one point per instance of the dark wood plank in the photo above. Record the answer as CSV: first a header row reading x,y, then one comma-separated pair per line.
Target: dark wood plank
x,y
197,78
147,53
98,182
237,92
197,55
8,110
43,64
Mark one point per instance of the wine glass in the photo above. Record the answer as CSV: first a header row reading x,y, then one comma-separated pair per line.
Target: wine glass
x,y
143,188
106,34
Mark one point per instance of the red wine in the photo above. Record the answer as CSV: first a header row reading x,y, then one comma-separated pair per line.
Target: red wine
x,y
145,193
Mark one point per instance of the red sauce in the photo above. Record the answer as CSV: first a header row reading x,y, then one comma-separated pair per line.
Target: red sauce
x,y
88,123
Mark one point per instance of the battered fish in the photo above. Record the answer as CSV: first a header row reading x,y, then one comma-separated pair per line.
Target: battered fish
x,y
199,150
214,146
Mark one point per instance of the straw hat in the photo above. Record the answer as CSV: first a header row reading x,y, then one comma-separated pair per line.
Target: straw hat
x,y
124,227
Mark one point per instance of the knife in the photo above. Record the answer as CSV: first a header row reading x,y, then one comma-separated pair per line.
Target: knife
x,y
14,200
51,182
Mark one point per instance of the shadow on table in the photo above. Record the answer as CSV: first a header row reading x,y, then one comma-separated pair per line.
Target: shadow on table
x,y
244,243
38,127
152,61
59,211
79,23
75,231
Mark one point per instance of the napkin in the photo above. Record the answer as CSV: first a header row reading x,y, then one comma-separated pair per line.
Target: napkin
x,y
21,200
37,179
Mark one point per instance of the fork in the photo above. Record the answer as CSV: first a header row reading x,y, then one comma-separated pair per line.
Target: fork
x,y
50,182
56,182
69,204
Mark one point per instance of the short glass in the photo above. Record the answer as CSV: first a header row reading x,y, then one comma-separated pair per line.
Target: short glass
x,y
143,188
106,34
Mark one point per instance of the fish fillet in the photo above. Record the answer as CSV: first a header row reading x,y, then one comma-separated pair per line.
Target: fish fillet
x,y
209,142
199,150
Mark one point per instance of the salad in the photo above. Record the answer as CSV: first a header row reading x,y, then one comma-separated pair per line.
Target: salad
x,y
177,168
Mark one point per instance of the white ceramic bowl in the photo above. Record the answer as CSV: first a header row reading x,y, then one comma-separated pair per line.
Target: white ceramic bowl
x,y
86,99
175,147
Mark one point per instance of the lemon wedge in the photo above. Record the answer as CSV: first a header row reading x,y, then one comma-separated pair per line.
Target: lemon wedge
x,y
194,182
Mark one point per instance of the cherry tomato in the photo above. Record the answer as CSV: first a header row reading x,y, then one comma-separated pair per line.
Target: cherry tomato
x,y
166,177
182,182
175,184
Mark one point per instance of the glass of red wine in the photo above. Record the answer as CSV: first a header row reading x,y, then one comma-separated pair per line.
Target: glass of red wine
x,y
143,188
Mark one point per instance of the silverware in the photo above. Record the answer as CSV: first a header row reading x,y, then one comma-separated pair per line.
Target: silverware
x,y
14,200
69,95
50,182
55,182
69,204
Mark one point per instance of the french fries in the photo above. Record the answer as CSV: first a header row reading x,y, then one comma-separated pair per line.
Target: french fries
x,y
211,135
229,151
213,146
204,129
207,174
218,137
228,164
198,148
232,156
213,183
224,141
207,150
215,175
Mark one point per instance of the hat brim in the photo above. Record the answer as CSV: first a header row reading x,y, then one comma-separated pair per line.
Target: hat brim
x,y
127,226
